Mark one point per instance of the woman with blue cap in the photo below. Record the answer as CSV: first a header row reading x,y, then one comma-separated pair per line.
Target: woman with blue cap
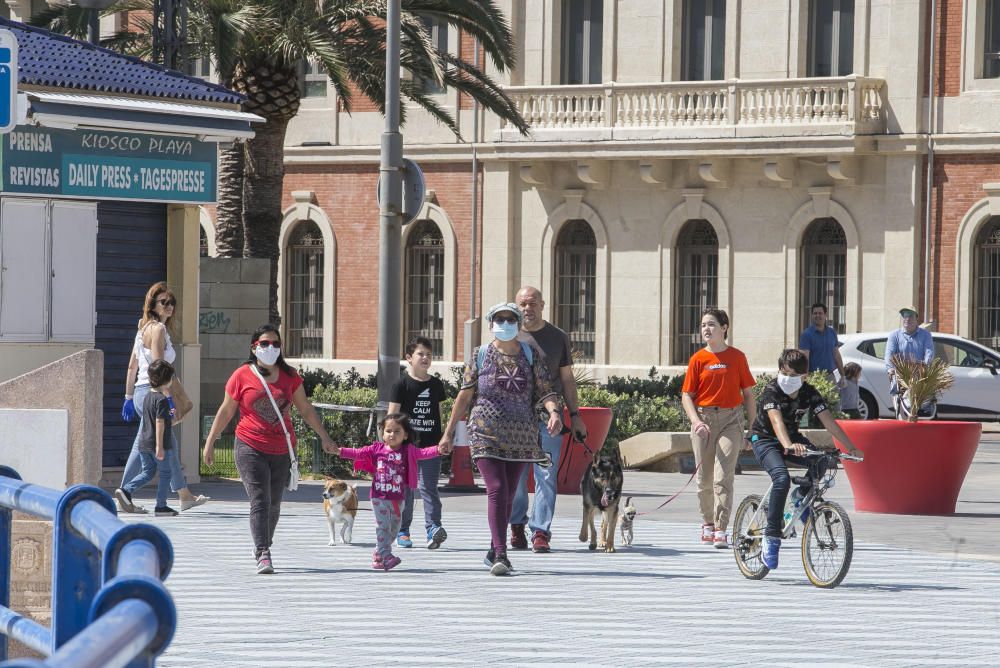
x,y
503,383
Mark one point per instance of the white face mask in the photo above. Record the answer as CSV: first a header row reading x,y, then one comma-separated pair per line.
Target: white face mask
x,y
505,331
789,384
267,355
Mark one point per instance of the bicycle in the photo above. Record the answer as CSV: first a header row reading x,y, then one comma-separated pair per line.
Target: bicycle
x,y
827,537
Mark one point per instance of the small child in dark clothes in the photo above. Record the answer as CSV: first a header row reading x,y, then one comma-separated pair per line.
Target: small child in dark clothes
x,y
849,397
154,439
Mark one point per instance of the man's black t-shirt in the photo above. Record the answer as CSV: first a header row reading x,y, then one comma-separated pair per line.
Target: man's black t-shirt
x,y
555,345
792,410
421,400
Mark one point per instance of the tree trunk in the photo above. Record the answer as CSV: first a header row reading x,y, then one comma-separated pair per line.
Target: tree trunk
x,y
263,180
229,212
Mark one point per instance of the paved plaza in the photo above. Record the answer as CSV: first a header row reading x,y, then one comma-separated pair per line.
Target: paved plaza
x,y
920,592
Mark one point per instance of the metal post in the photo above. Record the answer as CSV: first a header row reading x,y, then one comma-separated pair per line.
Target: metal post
x,y
929,189
93,26
475,193
390,218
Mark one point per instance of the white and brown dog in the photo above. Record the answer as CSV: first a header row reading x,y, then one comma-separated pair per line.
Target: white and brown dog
x,y
627,519
340,504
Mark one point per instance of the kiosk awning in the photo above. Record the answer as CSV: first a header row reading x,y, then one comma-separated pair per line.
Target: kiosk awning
x,y
73,110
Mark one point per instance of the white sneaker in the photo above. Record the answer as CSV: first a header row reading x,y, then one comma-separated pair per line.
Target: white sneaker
x,y
720,541
196,501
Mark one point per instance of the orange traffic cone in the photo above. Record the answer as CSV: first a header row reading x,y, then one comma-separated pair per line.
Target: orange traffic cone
x,y
461,479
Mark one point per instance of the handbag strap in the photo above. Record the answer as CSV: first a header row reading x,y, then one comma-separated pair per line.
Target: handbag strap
x,y
274,404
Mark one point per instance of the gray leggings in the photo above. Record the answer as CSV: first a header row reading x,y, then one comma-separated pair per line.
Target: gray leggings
x,y
265,478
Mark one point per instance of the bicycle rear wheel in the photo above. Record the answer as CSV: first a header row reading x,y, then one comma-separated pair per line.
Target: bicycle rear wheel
x,y
827,544
748,537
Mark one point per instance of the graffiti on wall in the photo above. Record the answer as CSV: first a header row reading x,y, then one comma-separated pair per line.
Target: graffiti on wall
x,y
214,322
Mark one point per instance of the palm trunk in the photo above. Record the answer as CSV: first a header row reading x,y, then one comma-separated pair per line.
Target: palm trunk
x,y
229,212
262,185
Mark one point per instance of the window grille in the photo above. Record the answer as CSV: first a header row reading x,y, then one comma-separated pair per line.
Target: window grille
x,y
987,285
696,285
576,287
824,272
304,294
425,285
991,40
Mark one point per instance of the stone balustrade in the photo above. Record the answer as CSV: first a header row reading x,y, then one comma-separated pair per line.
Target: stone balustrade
x,y
706,109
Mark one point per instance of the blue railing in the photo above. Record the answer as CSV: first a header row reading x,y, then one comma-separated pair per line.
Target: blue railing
x,y
109,605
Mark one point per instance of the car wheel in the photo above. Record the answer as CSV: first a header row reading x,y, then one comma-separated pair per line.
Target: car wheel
x,y
867,406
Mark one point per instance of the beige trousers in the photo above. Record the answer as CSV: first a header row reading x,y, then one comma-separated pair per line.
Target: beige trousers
x,y
716,456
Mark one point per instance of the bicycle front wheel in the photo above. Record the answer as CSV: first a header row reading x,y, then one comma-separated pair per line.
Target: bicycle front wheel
x,y
827,544
748,537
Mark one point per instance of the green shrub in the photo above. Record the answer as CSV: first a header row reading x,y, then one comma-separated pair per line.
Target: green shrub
x,y
634,414
345,429
653,385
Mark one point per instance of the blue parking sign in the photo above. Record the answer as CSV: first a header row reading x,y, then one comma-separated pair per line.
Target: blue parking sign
x,y
8,81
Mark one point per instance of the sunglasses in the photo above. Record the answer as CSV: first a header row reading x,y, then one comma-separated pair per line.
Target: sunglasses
x,y
509,318
268,344
167,302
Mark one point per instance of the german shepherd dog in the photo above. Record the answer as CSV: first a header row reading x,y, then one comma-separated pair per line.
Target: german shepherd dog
x,y
601,490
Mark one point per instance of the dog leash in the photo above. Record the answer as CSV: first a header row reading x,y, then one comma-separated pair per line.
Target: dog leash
x,y
693,474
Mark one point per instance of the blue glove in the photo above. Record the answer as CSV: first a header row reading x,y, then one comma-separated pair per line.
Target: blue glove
x,y
128,410
173,409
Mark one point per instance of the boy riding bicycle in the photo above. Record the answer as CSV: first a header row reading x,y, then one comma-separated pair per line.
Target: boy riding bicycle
x,y
775,437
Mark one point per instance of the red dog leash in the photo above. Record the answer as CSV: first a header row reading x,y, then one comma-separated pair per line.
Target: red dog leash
x,y
693,474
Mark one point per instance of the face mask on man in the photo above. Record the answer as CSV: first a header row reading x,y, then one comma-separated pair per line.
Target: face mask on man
x,y
505,331
789,384
267,355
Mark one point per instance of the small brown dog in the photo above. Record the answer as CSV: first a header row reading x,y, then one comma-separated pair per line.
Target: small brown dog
x,y
340,504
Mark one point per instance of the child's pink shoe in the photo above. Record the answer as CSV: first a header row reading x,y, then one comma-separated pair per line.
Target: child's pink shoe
x,y
377,564
391,562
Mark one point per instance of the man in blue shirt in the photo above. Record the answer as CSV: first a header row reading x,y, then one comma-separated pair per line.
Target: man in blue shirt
x,y
910,340
821,347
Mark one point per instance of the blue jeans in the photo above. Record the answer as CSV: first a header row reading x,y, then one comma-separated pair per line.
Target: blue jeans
x,y
545,488
149,465
132,466
771,457
427,483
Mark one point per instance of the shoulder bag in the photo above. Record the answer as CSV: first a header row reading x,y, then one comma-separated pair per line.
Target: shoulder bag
x,y
293,478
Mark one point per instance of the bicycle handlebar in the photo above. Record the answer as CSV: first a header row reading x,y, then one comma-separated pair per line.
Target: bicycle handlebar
x,y
835,453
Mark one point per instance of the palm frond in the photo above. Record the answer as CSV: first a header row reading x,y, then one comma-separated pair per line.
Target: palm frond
x,y
923,382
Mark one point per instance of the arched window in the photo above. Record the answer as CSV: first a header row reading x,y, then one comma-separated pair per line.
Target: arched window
x,y
697,285
987,285
425,285
576,286
304,296
824,272
203,239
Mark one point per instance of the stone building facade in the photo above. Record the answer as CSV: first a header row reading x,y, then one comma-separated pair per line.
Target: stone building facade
x,y
756,156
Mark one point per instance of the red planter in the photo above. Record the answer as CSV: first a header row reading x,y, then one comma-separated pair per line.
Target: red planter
x,y
910,468
574,458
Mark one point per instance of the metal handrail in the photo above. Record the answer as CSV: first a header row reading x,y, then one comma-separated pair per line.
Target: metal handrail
x,y
109,605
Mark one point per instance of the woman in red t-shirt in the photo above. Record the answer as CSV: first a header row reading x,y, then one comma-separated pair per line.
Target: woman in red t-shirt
x,y
717,387
262,456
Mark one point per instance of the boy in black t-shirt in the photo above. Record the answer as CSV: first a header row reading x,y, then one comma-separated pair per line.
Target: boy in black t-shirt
x,y
419,395
775,437
154,440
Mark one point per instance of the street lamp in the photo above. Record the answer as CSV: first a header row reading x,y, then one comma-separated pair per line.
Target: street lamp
x,y
390,217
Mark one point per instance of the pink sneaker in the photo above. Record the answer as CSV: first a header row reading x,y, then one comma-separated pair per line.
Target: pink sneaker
x,y
391,562
707,533
377,563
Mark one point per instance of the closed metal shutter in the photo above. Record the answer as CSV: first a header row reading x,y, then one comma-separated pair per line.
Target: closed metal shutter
x,y
131,256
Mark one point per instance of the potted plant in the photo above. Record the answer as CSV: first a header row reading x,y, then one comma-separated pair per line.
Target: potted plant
x,y
912,467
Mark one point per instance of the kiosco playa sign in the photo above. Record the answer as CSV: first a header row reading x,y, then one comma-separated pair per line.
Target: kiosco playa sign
x,y
96,164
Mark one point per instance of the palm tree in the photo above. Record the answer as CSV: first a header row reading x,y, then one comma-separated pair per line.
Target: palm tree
x,y
257,45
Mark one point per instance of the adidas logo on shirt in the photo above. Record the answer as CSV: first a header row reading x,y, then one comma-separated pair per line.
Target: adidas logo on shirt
x,y
426,394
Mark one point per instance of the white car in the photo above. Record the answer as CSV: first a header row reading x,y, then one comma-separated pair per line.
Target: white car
x,y
974,396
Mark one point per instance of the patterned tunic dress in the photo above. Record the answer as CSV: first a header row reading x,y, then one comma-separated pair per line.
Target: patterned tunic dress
x,y
503,423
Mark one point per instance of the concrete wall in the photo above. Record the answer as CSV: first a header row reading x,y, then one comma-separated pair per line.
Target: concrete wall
x,y
72,387
233,303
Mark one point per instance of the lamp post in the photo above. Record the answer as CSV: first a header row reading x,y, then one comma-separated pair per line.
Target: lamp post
x,y
390,217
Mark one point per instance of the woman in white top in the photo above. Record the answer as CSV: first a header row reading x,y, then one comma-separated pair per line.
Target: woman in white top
x,y
152,342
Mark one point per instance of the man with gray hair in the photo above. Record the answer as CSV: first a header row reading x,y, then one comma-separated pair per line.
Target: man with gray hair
x,y
555,346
